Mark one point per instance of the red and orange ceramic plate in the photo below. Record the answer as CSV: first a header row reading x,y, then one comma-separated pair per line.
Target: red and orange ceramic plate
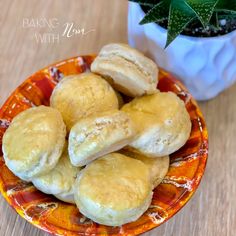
x,y
46,212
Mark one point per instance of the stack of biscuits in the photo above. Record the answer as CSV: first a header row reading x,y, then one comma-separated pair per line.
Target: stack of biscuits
x,y
90,148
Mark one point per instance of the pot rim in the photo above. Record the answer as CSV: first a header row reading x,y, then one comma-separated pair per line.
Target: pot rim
x,y
193,38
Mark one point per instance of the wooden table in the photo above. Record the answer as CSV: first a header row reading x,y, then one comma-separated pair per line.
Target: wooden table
x,y
212,210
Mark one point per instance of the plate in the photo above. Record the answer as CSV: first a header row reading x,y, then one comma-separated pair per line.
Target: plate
x,y
187,165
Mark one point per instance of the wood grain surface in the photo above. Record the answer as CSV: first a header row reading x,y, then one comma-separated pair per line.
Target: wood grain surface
x,y
212,210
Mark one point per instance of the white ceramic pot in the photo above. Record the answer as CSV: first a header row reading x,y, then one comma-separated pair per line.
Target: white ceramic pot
x,y
207,66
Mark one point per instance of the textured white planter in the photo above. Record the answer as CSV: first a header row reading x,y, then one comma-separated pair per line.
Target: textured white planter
x,y
207,66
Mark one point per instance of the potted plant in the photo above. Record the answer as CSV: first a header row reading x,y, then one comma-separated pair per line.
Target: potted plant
x,y
194,39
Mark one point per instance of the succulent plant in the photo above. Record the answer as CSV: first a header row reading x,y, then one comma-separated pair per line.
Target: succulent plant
x,y
180,13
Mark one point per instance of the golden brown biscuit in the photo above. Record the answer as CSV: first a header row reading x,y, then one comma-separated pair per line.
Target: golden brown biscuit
x,y
128,70
81,95
120,99
33,143
66,196
162,121
158,167
113,190
98,135
60,180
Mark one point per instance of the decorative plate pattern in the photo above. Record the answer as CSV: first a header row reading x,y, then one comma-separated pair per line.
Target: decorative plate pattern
x,y
46,212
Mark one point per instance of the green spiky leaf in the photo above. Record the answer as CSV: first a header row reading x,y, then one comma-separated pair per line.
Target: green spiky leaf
x,y
215,20
180,15
203,8
157,13
231,16
228,6
149,3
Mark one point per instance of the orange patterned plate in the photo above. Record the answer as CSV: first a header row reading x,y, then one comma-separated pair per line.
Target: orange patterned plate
x,y
46,212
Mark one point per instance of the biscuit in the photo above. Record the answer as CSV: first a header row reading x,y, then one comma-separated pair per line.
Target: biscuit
x,y
158,167
78,96
98,135
162,122
113,190
60,180
66,196
33,143
120,99
128,70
